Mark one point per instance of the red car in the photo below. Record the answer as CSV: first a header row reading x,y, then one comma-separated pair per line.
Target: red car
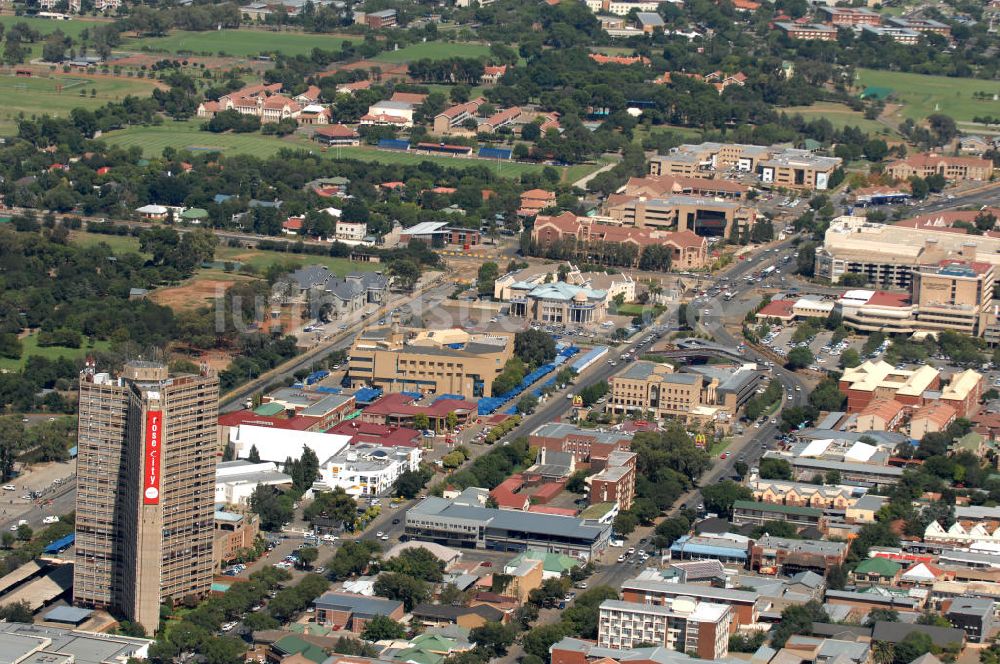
x,y
724,455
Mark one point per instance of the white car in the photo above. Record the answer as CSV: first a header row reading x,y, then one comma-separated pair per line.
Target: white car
x,y
9,487
50,519
379,534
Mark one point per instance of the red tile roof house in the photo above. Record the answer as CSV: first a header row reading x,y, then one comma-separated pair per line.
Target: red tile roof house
x,y
507,497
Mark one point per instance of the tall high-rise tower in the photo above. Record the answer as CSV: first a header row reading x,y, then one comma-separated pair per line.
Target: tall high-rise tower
x,y
146,461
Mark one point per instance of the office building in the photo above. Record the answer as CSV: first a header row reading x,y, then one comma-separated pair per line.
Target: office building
x,y
872,380
975,615
235,481
466,523
703,216
681,623
147,446
353,612
928,163
584,444
425,361
798,169
887,254
786,557
954,295
646,387
367,469
560,302
590,238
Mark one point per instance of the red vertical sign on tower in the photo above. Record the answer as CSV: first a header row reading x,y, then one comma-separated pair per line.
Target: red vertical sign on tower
x,y
151,474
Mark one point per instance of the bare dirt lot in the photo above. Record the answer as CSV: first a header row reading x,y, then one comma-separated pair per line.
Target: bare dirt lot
x,y
195,293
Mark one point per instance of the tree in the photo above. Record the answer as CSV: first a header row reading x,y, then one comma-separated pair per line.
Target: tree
x,y
577,482
19,612
24,532
534,347
494,638
719,498
884,615
308,555
382,628
670,530
625,523
335,505
410,483
421,421
488,273
273,509
538,640
850,358
253,456
416,563
911,647
406,589
799,358
797,619
405,273
7,539
775,469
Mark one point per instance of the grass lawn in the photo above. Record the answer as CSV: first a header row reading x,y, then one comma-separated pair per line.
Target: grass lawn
x,y
922,94
839,115
719,447
640,309
685,133
46,26
29,346
186,135
36,95
240,43
120,244
434,51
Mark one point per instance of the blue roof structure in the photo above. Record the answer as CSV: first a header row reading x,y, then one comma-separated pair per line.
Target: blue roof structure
x,y
393,144
489,405
451,397
414,395
367,394
684,545
495,153
61,544
328,390
73,451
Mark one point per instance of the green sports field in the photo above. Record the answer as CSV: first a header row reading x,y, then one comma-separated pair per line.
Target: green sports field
x,y
434,51
186,135
922,94
238,43
37,95
839,115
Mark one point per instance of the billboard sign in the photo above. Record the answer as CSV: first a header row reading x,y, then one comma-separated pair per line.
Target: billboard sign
x,y
154,451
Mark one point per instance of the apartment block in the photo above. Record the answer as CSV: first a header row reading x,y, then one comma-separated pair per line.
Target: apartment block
x,y
758,514
850,16
682,624
145,525
920,25
896,34
616,482
648,589
816,31
425,361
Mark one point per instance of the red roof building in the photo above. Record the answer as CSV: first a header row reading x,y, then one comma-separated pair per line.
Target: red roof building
x,y
507,497
399,410
369,432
